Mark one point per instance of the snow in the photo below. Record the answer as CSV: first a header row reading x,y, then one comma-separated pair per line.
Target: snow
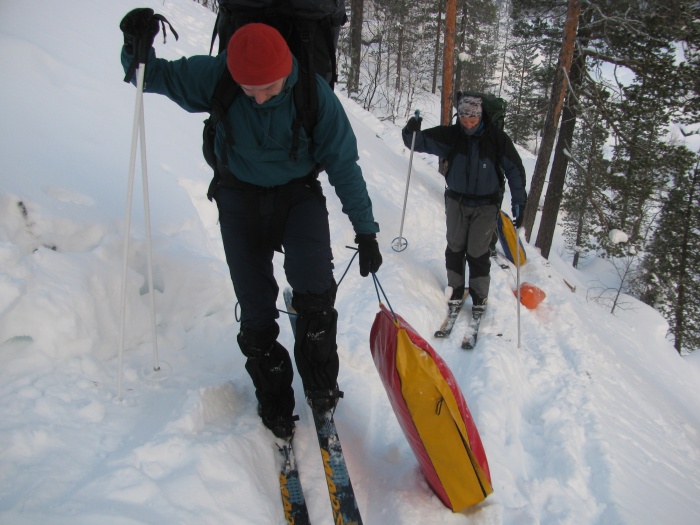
x,y
586,417
617,236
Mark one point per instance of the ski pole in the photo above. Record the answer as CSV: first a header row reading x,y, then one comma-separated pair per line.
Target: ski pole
x,y
399,244
149,244
142,47
517,272
137,132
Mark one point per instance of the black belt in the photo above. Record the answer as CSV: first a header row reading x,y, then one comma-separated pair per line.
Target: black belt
x,y
492,198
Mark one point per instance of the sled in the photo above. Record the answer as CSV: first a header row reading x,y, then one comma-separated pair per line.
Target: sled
x,y
431,411
508,237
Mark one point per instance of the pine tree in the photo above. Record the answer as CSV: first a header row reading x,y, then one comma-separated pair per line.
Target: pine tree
x,y
521,90
477,49
583,219
637,35
640,164
672,266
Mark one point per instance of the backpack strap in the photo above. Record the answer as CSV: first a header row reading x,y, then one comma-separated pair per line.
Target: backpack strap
x,y
215,31
326,25
447,163
306,89
225,93
305,95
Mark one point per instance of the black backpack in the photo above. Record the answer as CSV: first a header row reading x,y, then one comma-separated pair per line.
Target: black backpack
x,y
310,28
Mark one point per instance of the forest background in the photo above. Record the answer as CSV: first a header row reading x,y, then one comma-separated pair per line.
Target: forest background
x,y
606,94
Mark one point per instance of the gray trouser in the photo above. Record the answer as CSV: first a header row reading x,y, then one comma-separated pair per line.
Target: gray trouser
x,y
469,232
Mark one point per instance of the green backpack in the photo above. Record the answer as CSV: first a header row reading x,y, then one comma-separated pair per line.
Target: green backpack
x,y
494,113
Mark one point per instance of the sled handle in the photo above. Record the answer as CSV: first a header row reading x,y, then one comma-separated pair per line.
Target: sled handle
x,y
377,288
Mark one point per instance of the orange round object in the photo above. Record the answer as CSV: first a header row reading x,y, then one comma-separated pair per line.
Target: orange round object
x,y
530,295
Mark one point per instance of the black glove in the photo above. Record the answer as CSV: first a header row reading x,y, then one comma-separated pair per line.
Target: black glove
x,y
140,27
518,214
413,124
370,258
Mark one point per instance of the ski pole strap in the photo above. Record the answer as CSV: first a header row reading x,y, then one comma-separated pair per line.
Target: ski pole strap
x,y
163,21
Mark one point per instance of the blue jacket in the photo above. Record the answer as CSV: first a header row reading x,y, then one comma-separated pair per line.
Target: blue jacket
x,y
262,133
478,164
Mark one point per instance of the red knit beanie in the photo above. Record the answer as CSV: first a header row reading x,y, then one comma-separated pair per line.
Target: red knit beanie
x,y
258,55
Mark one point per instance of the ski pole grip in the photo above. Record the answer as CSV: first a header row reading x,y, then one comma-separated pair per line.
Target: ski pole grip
x,y
143,46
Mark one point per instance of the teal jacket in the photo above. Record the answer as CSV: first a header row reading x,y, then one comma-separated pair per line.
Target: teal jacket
x,y
262,133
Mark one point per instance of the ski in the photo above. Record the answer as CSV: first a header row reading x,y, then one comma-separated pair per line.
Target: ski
x,y
340,491
469,340
452,314
293,502
288,294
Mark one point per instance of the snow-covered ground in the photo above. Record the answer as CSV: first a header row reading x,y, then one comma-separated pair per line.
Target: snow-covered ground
x,y
592,418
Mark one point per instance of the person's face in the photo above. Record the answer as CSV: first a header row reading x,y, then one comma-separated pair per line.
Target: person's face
x,y
469,122
264,93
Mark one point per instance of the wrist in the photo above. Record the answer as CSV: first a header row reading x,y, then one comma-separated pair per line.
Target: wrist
x,y
365,237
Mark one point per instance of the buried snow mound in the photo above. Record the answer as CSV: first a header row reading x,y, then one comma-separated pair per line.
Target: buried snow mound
x,y
508,236
432,412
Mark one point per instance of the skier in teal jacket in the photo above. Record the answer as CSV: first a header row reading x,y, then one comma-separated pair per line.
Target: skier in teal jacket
x,y
269,197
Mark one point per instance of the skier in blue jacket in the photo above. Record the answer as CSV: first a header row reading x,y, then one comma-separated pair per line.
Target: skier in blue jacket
x,y
269,198
480,158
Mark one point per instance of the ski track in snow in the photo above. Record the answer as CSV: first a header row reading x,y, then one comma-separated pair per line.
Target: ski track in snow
x,y
552,405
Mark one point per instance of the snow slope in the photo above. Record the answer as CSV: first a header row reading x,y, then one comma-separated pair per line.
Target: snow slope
x,y
586,418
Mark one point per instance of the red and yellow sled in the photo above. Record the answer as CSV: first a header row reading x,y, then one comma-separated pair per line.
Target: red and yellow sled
x,y
431,411
508,237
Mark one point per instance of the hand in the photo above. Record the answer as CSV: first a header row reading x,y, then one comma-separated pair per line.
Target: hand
x,y
413,124
140,27
518,215
370,258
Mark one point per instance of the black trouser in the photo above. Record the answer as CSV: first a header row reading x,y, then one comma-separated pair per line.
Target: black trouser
x,y
270,368
315,349
308,265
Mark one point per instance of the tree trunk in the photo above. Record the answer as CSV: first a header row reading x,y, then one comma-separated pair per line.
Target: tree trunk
x,y
579,238
399,57
679,314
505,46
448,61
356,20
557,175
553,113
